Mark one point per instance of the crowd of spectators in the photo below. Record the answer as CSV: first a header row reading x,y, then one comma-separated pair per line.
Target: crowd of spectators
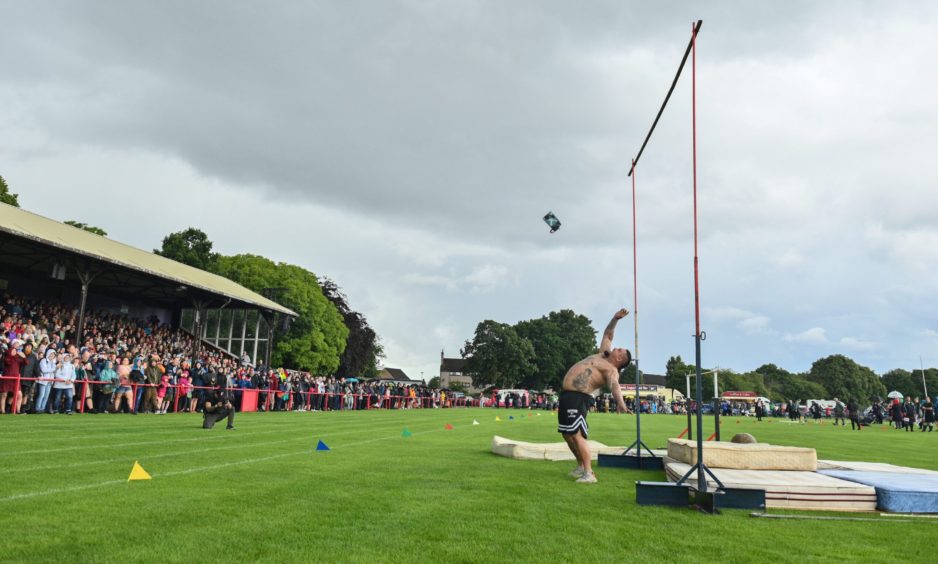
x,y
121,364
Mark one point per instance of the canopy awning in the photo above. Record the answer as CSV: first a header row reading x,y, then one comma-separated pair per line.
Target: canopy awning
x,y
34,245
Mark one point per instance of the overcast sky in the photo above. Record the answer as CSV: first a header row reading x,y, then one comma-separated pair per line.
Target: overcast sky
x,y
408,150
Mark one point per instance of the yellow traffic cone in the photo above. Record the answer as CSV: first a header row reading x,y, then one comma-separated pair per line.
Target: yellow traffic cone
x,y
138,473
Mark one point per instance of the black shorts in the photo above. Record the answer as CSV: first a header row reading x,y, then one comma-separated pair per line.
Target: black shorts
x,y
571,416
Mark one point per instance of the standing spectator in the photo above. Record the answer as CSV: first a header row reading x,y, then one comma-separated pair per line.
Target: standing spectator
x,y
83,370
854,410
107,378
9,384
839,413
816,412
184,390
878,412
153,373
47,368
161,398
64,383
908,414
30,373
196,378
928,415
124,393
896,413
139,381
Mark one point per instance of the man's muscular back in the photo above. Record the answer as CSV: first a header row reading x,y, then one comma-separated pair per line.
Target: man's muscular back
x,y
590,374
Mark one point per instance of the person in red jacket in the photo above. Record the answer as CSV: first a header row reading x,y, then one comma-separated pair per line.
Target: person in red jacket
x,y
13,362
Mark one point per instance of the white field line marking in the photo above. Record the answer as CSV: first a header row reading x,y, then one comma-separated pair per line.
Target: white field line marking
x,y
100,432
128,432
211,437
53,491
51,421
113,482
96,433
178,453
246,446
186,427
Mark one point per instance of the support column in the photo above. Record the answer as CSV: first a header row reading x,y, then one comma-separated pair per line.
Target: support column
x,y
270,338
257,336
86,277
197,329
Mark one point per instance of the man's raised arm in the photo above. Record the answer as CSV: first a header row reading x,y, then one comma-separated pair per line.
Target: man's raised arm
x,y
606,343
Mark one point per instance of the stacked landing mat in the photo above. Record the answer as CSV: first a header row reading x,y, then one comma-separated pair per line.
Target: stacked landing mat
x,y
549,451
787,474
898,489
545,451
753,456
791,489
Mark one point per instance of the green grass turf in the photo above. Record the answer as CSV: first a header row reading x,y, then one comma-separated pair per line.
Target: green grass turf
x,y
262,493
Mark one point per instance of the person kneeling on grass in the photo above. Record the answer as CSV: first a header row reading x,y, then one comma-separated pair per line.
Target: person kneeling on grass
x,y
217,406
584,378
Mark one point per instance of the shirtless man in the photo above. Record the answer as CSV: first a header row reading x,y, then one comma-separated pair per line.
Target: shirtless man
x,y
583,378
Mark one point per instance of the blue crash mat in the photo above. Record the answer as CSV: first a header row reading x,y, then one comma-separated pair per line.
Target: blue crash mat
x,y
897,493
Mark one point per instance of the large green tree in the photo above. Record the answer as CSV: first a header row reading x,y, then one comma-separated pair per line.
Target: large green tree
x,y
362,352
843,378
899,380
86,227
191,246
498,356
316,339
909,382
746,382
560,339
800,388
676,372
782,385
6,196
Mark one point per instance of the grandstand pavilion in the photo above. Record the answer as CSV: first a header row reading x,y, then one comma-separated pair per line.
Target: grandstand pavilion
x,y
46,259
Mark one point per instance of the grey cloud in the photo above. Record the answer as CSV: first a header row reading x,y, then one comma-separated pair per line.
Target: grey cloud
x,y
409,150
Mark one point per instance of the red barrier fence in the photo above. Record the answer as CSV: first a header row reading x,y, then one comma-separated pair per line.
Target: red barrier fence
x,y
311,401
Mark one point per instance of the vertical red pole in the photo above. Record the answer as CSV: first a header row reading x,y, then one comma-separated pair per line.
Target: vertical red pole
x,y
16,393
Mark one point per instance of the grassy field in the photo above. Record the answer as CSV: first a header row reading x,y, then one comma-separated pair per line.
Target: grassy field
x,y
262,493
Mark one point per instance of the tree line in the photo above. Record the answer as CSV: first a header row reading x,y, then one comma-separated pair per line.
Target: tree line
x,y
535,354
829,377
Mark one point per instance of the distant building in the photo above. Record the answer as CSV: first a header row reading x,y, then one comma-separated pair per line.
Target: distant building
x,y
451,372
397,376
652,385
654,379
